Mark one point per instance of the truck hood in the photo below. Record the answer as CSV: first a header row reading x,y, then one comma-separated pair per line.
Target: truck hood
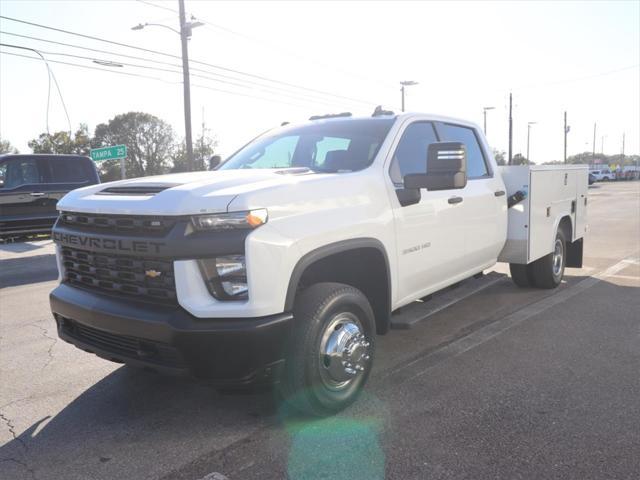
x,y
177,194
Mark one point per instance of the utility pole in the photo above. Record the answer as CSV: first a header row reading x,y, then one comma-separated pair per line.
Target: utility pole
x,y
623,146
185,33
510,129
566,130
484,112
593,153
528,136
405,83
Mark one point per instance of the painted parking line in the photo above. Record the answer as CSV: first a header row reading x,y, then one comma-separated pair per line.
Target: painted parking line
x,y
422,365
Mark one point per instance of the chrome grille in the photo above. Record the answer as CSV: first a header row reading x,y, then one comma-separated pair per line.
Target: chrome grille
x,y
144,279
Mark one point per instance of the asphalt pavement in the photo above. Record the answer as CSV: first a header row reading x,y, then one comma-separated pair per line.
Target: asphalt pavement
x,y
505,383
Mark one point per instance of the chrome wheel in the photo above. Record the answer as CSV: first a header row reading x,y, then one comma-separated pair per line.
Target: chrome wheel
x,y
557,261
344,351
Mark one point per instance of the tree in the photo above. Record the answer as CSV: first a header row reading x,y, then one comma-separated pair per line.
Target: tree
x,y
203,149
6,147
61,143
499,156
149,141
519,159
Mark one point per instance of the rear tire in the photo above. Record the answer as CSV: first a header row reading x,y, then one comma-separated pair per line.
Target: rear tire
x,y
331,349
521,275
548,271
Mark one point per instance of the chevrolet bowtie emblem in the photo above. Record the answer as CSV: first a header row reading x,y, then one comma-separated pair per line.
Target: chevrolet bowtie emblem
x,y
152,273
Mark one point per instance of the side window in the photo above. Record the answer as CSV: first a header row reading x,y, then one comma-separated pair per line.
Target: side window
x,y
275,155
411,153
476,165
21,171
68,170
330,144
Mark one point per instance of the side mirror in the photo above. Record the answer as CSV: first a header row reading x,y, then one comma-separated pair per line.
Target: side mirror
x,y
214,161
446,168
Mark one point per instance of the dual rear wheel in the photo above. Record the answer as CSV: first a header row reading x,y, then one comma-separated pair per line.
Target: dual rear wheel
x,y
546,272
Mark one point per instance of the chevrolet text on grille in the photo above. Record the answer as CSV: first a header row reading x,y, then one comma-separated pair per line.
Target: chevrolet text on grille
x,y
123,245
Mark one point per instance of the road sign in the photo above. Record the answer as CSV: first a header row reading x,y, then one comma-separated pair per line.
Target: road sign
x,y
109,153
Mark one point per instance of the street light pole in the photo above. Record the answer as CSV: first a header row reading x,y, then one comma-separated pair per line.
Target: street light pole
x,y
593,153
510,130
566,130
185,33
528,136
405,83
484,112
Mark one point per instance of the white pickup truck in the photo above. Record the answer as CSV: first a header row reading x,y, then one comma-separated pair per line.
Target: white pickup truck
x,y
284,264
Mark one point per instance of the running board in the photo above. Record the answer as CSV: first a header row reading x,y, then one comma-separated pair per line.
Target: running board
x,y
414,313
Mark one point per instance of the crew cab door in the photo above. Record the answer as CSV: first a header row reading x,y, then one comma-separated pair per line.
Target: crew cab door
x,y
430,234
484,200
22,190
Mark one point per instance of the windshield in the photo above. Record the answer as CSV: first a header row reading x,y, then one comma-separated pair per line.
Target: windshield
x,y
331,146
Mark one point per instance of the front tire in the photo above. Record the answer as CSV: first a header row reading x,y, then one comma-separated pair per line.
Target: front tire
x,y
548,271
331,349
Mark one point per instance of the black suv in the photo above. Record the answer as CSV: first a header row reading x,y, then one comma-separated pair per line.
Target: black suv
x,y
31,185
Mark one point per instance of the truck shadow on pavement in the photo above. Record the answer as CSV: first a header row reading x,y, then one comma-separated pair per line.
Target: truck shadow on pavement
x,y
134,424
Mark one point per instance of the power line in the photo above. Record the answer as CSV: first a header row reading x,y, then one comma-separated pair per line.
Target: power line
x,y
262,42
157,79
134,65
275,90
219,67
50,76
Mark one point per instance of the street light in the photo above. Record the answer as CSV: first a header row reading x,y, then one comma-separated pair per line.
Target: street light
x,y
406,83
186,29
528,136
484,112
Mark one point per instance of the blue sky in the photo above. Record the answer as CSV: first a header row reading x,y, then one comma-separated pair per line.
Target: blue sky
x,y
582,57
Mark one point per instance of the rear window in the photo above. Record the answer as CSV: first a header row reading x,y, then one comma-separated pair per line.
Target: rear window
x,y
69,170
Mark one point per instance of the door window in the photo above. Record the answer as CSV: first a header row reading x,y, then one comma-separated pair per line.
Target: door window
x,y
68,170
20,171
411,153
476,164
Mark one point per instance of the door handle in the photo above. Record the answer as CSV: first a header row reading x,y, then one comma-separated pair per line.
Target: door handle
x,y
36,194
499,193
454,200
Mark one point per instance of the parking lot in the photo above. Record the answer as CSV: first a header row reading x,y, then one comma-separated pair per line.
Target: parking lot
x,y
505,383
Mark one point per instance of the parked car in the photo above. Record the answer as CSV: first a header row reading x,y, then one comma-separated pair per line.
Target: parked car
x,y
283,264
605,175
630,172
592,178
31,185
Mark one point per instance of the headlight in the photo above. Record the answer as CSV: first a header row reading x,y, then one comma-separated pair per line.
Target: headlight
x,y
226,221
225,277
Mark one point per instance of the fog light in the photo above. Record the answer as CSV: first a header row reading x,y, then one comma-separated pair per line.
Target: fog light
x,y
225,277
235,289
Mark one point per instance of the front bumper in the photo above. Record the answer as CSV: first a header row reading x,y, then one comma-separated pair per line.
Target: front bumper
x,y
229,352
